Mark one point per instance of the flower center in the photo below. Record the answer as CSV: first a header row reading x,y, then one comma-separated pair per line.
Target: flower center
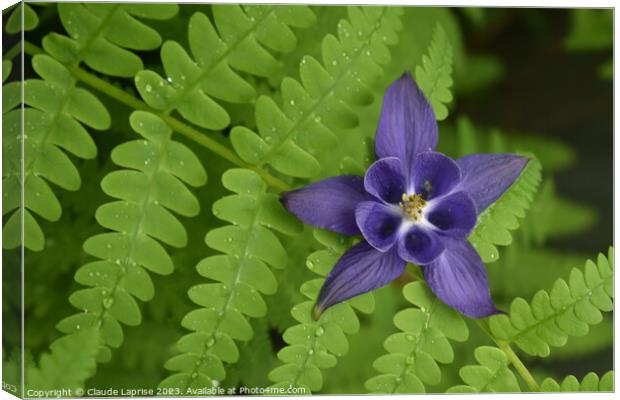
x,y
412,205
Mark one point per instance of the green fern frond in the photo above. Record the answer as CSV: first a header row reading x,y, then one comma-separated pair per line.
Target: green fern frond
x,y
240,274
422,343
148,189
590,383
496,222
553,154
70,362
492,375
315,345
14,23
54,119
102,35
567,310
291,136
434,76
552,216
243,42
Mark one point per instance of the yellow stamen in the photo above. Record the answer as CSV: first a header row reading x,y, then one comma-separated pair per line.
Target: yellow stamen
x,y
412,205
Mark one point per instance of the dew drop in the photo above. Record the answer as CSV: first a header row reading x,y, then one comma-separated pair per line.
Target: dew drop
x,y
410,337
310,265
409,360
108,302
210,342
319,331
148,88
310,352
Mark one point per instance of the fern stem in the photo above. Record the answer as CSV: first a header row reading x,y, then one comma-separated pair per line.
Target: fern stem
x,y
513,358
176,125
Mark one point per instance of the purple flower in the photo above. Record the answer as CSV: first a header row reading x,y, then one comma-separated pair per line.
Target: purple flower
x,y
413,205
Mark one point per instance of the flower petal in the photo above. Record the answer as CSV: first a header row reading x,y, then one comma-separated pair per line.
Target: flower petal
x,y
329,203
360,270
434,174
419,246
407,123
487,176
379,224
384,180
454,214
459,279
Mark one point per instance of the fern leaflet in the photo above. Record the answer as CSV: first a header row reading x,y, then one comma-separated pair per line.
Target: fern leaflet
x,y
422,343
590,383
492,375
238,277
149,187
14,23
240,44
568,309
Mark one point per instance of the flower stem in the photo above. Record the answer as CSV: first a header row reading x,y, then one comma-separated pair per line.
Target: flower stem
x,y
512,357
178,126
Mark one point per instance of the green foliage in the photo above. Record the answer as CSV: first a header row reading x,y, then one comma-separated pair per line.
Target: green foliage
x,y
599,338
71,361
590,383
14,23
434,75
148,188
567,310
552,217
102,35
466,138
492,375
7,66
238,277
413,353
591,29
291,136
496,222
54,119
314,345
243,43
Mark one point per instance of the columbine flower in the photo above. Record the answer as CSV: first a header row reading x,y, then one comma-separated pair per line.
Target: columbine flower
x,y
413,205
